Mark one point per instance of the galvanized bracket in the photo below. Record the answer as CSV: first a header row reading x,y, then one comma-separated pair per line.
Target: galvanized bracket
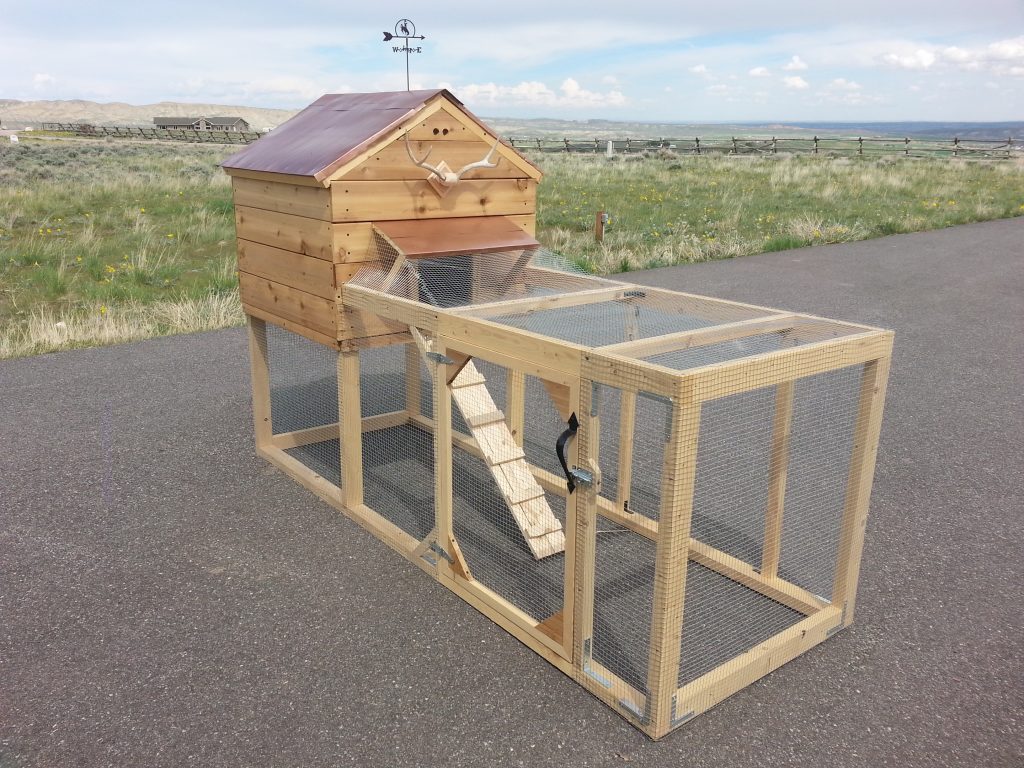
x,y
437,357
435,547
680,719
840,625
604,681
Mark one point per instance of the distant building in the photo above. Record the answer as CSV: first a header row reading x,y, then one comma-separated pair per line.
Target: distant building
x,y
235,124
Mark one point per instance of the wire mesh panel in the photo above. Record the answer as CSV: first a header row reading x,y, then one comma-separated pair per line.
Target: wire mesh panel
x,y
733,466
723,619
477,278
820,447
398,453
304,397
623,599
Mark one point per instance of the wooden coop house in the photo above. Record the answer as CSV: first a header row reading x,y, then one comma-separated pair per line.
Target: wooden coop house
x,y
662,494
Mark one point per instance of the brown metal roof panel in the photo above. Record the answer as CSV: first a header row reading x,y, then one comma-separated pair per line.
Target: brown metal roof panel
x,y
327,131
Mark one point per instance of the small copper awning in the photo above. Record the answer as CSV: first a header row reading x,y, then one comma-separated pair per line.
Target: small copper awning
x,y
446,237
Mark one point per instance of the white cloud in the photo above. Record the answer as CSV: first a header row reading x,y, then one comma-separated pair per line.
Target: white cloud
x,y
759,72
718,89
610,80
1003,57
795,64
699,69
842,84
795,82
919,59
535,93
42,81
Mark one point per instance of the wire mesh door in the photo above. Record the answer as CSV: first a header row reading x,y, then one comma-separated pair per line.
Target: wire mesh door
x,y
512,430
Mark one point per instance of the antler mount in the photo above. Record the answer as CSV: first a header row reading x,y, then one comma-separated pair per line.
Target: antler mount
x,y
442,178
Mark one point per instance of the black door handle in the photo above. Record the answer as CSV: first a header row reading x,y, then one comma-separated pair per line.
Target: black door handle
x,y
560,448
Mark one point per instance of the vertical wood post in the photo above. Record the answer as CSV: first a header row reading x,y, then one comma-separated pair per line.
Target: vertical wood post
x,y
697,143
906,149
775,146
584,532
956,146
624,478
442,456
413,387
350,430
858,485
735,147
599,226
815,145
515,407
778,465
262,424
860,145
670,563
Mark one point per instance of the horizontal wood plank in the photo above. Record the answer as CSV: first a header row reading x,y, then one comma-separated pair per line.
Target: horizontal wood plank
x,y
392,162
354,201
299,234
296,270
303,308
295,199
441,237
354,241
289,325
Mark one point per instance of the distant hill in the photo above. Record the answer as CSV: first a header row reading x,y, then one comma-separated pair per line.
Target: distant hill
x,y
19,114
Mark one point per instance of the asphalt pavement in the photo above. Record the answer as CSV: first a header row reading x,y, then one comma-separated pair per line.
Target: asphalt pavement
x,y
168,599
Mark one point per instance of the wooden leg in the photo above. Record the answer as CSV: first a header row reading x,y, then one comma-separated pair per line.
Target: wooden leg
x,y
779,462
858,487
671,559
351,430
262,423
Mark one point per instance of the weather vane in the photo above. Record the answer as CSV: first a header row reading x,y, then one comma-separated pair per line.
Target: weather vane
x,y
405,30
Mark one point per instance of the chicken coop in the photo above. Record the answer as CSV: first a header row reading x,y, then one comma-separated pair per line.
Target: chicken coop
x,y
662,494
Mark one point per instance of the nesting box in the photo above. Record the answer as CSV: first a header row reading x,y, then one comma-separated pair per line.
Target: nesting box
x,y
662,494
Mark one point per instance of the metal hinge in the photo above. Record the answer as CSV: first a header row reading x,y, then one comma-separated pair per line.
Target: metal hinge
x,y
582,477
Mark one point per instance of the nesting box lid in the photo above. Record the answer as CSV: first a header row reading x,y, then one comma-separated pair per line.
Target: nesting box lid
x,y
339,127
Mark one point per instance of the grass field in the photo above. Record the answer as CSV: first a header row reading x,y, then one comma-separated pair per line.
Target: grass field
x,y
109,241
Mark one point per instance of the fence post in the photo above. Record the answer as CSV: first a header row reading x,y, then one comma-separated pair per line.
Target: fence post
x,y
697,140
906,150
956,146
860,145
775,146
566,142
1009,145
815,145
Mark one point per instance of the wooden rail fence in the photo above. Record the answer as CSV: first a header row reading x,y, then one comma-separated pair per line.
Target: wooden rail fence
x,y
135,132
735,145
815,145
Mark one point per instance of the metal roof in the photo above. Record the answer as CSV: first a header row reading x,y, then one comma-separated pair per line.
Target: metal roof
x,y
332,130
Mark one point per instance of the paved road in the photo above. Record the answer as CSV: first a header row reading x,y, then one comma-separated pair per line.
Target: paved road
x,y
166,599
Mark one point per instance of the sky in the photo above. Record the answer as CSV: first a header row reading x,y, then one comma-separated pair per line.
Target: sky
x,y
717,60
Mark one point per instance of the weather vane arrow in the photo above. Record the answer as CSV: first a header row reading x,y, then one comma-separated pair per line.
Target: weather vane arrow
x,y
405,30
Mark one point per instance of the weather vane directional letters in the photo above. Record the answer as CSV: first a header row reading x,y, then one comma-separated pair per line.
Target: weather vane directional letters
x,y
405,30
